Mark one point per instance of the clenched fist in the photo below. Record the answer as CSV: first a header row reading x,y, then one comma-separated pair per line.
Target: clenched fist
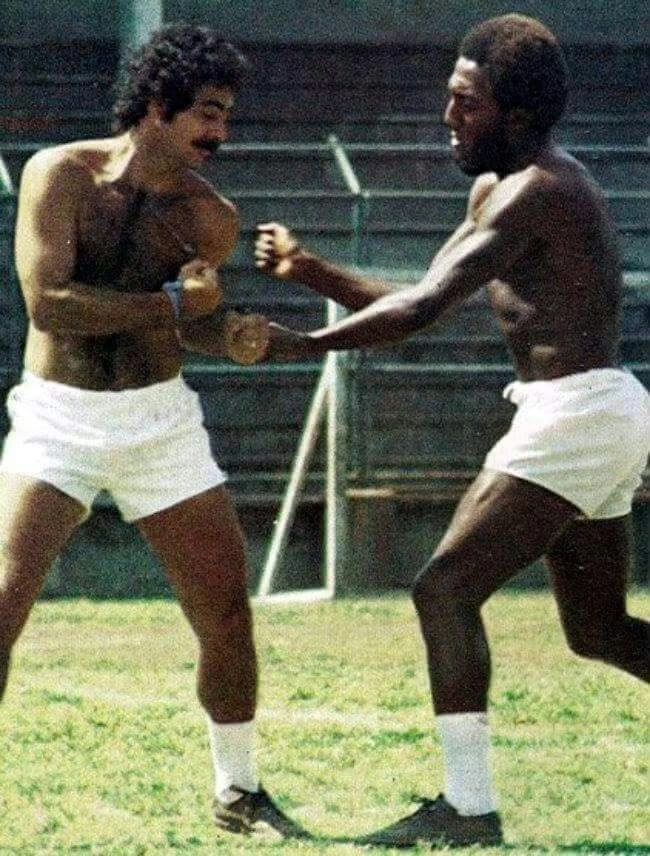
x,y
275,249
246,338
201,293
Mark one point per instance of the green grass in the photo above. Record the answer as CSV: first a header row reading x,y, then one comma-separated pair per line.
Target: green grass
x,y
103,747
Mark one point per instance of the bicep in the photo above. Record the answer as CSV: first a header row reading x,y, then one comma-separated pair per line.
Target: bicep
x,y
504,232
218,233
465,229
478,256
45,240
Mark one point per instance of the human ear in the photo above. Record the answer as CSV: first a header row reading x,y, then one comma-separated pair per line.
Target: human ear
x,y
519,122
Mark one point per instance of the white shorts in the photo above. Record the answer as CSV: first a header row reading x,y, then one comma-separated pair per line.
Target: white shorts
x,y
585,437
147,447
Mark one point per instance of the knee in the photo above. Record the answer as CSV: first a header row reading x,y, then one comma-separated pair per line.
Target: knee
x,y
423,589
438,587
228,625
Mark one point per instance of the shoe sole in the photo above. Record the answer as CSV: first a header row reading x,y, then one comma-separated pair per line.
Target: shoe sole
x,y
439,841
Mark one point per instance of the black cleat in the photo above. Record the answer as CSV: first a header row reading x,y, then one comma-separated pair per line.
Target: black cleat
x,y
255,813
438,823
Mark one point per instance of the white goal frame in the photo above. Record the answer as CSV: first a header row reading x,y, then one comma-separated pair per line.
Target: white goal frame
x,y
327,402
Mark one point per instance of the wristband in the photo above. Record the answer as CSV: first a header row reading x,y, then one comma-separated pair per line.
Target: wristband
x,y
174,291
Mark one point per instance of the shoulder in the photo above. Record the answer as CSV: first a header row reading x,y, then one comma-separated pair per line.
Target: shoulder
x,y
204,195
65,168
218,208
554,177
535,193
209,205
481,189
216,219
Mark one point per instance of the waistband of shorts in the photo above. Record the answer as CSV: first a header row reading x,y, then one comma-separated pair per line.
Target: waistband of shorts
x,y
592,379
125,405
71,393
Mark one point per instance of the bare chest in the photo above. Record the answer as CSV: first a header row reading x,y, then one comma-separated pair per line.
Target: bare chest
x,y
130,240
531,296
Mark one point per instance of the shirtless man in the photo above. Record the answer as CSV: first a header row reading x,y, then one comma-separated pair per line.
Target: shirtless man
x,y
560,483
103,228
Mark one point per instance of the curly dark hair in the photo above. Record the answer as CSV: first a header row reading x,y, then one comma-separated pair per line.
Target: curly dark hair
x,y
176,61
525,66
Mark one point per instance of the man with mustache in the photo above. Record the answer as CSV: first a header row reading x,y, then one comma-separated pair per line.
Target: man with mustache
x,y
559,484
117,246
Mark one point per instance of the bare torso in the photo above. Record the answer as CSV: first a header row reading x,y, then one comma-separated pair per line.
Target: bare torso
x,y
559,306
127,240
539,239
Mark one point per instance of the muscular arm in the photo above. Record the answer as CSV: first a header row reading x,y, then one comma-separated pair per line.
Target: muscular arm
x,y
278,252
223,334
46,238
205,335
217,233
344,287
502,232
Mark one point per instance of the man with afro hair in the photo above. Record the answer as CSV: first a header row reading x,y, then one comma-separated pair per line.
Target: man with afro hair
x,y
559,485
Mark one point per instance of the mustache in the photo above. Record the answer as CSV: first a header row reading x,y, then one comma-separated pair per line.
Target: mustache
x,y
208,145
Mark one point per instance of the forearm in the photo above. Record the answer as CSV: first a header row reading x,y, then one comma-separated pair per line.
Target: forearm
x,y
397,315
89,311
243,339
205,335
383,322
342,286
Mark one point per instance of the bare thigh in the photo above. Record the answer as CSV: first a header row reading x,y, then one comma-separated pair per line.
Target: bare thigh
x,y
589,566
200,543
501,525
36,520
201,546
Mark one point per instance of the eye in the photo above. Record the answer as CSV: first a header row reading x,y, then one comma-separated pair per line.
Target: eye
x,y
467,102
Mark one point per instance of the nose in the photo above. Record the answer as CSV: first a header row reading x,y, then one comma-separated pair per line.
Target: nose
x,y
448,116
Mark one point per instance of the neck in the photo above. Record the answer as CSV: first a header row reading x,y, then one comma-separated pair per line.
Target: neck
x,y
528,151
143,161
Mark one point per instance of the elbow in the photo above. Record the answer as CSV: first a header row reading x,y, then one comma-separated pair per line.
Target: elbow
x,y
188,344
396,322
42,314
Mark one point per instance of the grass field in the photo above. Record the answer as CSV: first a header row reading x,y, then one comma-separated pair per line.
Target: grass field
x,y
104,751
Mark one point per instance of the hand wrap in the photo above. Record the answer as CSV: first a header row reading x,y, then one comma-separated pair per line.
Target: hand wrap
x,y
174,291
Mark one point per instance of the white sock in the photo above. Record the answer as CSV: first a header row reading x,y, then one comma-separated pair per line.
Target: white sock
x,y
465,741
233,756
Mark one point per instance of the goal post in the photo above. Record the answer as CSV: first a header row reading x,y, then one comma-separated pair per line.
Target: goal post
x,y
328,409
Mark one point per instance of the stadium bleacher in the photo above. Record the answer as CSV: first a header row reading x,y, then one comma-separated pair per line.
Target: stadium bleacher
x,y
424,413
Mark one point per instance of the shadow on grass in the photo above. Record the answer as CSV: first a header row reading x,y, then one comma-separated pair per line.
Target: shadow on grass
x,y
584,846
